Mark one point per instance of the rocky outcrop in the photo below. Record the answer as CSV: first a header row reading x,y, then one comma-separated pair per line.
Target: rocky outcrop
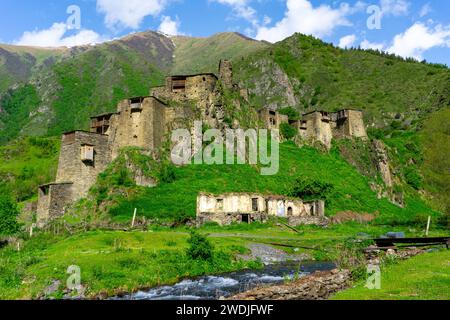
x,y
383,162
318,286
273,85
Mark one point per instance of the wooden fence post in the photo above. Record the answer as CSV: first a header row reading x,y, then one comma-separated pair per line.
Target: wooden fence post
x,y
134,217
428,226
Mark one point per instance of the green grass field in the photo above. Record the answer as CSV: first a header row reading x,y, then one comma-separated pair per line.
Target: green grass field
x,y
113,262
110,262
424,277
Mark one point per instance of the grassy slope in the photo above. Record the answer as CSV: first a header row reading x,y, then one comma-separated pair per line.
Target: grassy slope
x,y
110,262
380,85
27,163
424,277
177,200
194,55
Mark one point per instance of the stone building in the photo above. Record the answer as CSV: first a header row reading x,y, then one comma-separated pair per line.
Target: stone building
x,y
83,156
142,122
272,119
252,207
323,126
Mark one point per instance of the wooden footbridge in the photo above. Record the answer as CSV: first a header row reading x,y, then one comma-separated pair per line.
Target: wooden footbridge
x,y
391,243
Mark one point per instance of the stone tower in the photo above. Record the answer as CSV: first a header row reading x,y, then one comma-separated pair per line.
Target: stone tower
x,y
226,73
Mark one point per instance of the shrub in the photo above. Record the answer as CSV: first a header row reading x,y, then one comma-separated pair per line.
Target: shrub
x,y
290,112
8,216
308,189
167,172
200,248
287,131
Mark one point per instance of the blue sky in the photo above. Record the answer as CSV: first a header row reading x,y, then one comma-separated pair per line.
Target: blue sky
x,y
419,28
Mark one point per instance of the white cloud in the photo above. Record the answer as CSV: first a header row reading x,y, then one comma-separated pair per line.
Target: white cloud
x,y
426,9
418,39
365,44
394,7
302,17
241,9
54,37
347,41
129,13
169,26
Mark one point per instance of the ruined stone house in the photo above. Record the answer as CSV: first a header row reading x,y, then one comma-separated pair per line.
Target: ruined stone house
x,y
321,126
230,208
272,119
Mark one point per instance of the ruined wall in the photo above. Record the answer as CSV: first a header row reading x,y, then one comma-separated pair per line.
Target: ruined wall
x,y
324,127
199,93
139,124
349,123
53,200
316,126
72,168
271,119
233,207
226,73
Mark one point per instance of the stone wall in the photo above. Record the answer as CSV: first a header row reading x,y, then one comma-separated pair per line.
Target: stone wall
x,y
226,73
140,123
349,123
271,119
200,93
323,127
72,168
53,200
234,207
316,126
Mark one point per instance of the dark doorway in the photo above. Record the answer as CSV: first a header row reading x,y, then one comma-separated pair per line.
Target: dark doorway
x,y
245,218
290,212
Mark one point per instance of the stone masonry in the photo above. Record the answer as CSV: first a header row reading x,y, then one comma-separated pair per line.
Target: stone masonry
x,y
146,122
251,207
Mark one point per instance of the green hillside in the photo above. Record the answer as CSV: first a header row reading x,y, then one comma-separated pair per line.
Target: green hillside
x,y
321,76
193,55
345,188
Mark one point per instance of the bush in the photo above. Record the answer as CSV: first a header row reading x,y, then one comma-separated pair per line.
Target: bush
x,y
8,216
200,248
287,131
167,172
291,113
308,189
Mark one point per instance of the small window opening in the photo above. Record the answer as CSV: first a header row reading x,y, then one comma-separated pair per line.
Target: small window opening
x,y
255,206
219,204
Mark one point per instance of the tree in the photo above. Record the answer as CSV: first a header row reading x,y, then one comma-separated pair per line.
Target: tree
x,y
199,247
8,216
308,189
287,131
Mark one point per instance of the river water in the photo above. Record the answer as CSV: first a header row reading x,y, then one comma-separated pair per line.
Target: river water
x,y
226,285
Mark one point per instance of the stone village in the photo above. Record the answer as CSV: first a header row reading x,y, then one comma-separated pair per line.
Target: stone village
x,y
145,122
